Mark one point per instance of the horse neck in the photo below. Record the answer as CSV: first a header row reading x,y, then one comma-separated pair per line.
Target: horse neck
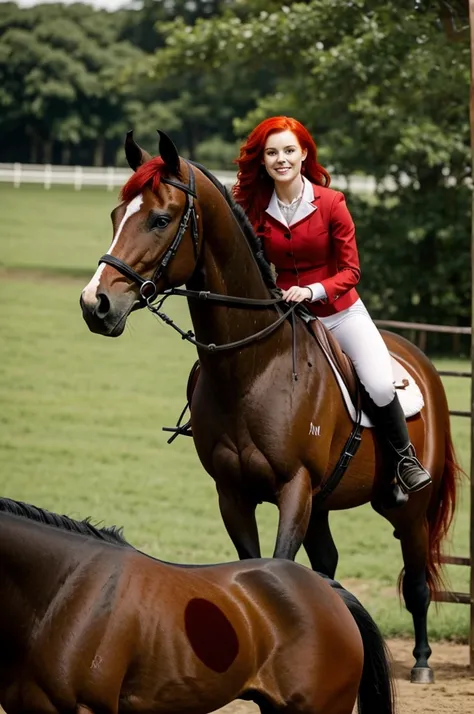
x,y
228,267
32,567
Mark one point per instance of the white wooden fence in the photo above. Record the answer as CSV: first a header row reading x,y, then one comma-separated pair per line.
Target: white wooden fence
x,y
110,177
49,175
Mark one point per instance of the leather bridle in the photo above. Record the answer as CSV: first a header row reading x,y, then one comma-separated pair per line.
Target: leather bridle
x,y
148,286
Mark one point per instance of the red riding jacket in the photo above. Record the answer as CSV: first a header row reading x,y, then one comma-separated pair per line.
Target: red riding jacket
x,y
318,247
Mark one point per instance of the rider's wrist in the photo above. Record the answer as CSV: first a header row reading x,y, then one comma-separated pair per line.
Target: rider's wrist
x,y
317,292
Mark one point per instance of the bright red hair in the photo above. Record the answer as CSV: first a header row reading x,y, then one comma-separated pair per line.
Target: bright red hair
x,y
148,174
254,186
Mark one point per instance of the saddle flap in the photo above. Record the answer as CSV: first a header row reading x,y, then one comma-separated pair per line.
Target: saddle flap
x,y
340,361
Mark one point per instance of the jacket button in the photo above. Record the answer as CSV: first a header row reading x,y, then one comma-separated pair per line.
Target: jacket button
x,y
287,234
290,255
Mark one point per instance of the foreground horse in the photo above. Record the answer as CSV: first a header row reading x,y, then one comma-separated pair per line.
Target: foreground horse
x,y
89,624
251,421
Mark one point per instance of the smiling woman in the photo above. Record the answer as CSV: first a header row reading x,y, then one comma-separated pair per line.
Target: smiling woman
x,y
309,235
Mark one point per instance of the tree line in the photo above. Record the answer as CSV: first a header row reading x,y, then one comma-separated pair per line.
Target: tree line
x,y
382,87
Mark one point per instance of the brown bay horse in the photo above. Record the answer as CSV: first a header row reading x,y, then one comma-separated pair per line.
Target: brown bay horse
x,y
89,625
250,418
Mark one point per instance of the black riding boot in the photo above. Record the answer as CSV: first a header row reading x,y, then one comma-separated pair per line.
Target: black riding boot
x,y
391,424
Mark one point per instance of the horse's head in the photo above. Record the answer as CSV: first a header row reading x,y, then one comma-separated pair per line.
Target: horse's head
x,y
157,217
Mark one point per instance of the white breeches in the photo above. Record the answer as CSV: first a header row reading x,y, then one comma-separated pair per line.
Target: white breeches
x,y
362,342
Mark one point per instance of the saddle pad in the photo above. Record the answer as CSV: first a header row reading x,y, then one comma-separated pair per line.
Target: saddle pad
x,y
410,396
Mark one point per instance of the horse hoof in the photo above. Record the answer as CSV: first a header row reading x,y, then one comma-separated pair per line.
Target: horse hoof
x,y
422,675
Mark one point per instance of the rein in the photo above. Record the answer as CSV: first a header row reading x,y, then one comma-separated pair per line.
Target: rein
x,y
224,299
149,290
231,301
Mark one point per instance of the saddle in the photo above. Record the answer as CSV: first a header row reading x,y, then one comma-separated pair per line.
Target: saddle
x,y
352,390
343,364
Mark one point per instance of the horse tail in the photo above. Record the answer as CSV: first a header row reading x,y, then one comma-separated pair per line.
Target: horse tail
x,y
441,512
376,689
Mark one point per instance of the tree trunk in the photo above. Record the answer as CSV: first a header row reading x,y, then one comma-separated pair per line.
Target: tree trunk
x,y
66,153
34,145
99,151
47,151
430,179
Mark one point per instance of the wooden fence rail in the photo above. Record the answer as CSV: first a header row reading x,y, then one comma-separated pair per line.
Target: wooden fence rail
x,y
110,177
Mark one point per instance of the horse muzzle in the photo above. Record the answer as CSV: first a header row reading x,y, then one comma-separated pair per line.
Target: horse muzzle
x,y
105,317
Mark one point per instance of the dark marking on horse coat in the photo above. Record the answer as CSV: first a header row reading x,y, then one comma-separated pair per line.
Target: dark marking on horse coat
x,y
211,635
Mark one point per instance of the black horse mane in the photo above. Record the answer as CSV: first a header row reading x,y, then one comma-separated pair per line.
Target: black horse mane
x,y
110,534
252,238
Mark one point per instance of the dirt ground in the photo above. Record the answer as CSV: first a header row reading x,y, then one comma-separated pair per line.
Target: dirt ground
x,y
452,692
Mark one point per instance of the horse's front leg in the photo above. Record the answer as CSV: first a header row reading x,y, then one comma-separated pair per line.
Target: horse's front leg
x,y
239,519
294,503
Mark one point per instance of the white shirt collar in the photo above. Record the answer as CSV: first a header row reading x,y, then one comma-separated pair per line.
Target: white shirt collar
x,y
308,191
305,208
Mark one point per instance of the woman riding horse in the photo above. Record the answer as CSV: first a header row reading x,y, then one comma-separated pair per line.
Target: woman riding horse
x,y
309,236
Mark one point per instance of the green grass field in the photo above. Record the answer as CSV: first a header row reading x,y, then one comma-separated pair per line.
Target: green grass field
x,y
81,415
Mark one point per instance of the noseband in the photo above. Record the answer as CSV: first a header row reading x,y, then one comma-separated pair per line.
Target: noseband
x,y
148,286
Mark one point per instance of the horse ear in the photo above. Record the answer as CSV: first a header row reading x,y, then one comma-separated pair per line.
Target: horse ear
x,y
169,153
136,156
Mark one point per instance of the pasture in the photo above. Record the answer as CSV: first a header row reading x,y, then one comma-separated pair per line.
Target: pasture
x,y
82,415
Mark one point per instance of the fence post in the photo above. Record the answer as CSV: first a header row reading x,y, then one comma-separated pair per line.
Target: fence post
x,y
422,340
17,175
77,178
47,176
110,178
471,121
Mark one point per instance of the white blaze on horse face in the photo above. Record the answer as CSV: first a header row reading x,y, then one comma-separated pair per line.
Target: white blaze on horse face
x,y
89,294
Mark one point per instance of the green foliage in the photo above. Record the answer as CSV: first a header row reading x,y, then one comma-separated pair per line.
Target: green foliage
x,y
59,75
217,153
415,254
147,27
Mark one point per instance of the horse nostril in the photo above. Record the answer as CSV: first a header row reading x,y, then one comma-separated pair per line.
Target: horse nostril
x,y
103,306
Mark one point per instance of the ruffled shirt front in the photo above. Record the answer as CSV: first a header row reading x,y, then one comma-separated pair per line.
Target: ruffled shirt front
x,y
289,209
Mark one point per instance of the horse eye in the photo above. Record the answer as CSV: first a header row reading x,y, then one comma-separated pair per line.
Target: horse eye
x,y
160,221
